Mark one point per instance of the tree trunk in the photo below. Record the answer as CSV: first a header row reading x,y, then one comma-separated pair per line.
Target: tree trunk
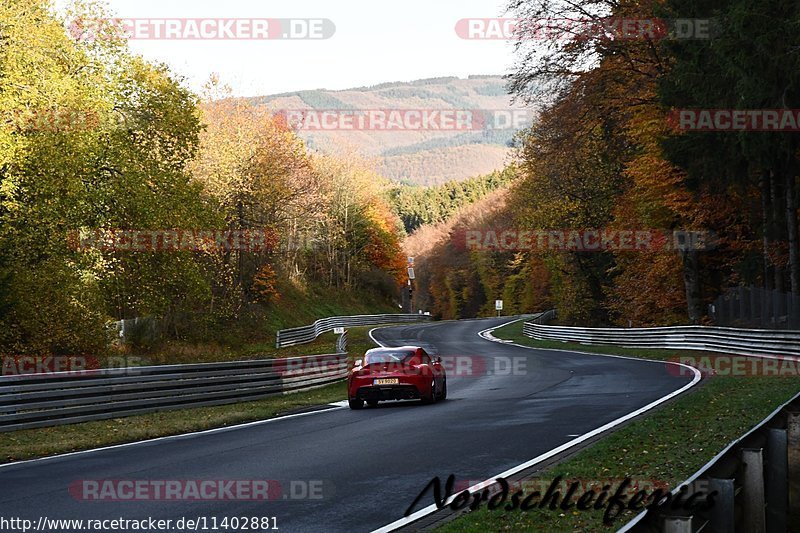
x,y
239,258
691,281
791,230
778,227
767,228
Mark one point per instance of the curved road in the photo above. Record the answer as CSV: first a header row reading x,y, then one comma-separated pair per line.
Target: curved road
x,y
507,405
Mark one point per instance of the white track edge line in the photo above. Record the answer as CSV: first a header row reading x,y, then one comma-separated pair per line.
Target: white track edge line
x,y
334,407
169,437
376,341
555,451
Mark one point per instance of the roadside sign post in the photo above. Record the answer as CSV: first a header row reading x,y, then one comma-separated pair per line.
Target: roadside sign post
x,y
341,342
498,306
410,297
411,278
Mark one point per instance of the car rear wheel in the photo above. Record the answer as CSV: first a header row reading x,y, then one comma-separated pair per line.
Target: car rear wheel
x,y
372,403
431,397
443,392
355,404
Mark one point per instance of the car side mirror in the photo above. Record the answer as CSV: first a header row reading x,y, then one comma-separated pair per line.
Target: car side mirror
x,y
437,359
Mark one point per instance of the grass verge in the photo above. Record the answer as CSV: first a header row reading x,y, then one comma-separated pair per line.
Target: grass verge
x,y
667,446
33,443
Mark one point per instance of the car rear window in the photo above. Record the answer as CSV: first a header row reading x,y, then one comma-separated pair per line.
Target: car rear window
x,y
388,356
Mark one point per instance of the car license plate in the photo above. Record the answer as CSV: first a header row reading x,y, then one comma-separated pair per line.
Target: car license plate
x,y
386,381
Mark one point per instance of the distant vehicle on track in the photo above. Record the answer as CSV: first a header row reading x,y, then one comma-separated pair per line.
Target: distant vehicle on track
x,y
402,373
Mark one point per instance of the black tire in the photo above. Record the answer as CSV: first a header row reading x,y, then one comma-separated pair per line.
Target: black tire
x,y
432,396
356,404
372,403
443,392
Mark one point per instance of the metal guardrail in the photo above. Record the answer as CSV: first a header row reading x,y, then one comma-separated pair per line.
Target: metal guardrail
x,y
40,400
304,334
543,318
757,479
759,342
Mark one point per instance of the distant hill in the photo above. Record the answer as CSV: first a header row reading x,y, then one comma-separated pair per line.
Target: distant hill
x,y
422,157
420,206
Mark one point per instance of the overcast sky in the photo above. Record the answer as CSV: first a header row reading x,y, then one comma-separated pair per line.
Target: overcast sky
x,y
374,42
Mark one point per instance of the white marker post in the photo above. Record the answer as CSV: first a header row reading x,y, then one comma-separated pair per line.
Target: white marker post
x,y
411,278
341,342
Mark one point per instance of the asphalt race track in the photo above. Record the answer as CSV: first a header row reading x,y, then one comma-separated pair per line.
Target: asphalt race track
x,y
372,463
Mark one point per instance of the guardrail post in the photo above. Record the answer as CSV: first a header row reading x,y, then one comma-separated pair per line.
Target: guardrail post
x,y
678,524
341,342
793,469
742,303
722,519
753,490
776,309
776,480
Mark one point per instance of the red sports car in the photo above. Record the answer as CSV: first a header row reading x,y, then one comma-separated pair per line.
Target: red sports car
x,y
402,373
